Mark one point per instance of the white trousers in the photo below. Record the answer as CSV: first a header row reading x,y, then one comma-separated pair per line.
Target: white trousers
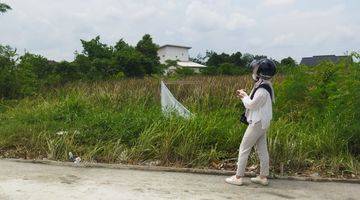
x,y
254,136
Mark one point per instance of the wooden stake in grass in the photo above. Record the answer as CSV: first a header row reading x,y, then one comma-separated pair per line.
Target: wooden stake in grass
x,y
282,169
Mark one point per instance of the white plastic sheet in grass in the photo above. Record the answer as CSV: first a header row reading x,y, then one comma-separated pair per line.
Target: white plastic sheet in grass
x,y
169,104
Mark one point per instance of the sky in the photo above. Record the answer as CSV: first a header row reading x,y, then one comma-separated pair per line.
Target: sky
x,y
276,28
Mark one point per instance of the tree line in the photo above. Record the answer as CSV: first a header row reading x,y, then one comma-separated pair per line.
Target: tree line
x,y
25,74
235,63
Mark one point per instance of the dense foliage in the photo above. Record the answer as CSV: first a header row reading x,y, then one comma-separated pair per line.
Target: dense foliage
x,y
225,64
27,74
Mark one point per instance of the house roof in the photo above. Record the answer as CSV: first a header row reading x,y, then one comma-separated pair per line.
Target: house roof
x,y
315,60
190,64
172,45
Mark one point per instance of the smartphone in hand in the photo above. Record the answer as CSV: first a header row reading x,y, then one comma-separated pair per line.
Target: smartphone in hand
x,y
241,93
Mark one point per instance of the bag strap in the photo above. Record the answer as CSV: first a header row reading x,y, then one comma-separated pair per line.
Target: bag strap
x,y
266,87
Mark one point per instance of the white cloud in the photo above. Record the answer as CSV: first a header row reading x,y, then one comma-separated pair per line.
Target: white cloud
x,y
278,2
206,17
200,16
237,21
310,32
283,39
54,28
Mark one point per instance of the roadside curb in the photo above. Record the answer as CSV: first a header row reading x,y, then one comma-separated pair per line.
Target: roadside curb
x,y
175,169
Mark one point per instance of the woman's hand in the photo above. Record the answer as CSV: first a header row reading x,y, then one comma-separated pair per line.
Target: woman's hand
x,y
241,93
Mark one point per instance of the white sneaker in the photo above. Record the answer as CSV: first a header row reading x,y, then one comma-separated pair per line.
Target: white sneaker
x,y
261,181
234,181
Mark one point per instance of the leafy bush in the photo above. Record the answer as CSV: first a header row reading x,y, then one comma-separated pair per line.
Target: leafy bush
x,y
15,82
184,71
322,99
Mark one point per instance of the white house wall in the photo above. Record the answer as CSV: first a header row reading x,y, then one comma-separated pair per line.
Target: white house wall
x,y
173,53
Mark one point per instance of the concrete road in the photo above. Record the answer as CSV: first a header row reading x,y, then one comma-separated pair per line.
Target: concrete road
x,y
37,181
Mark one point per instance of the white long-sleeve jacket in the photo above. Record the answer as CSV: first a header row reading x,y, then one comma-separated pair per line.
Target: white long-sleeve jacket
x,y
259,108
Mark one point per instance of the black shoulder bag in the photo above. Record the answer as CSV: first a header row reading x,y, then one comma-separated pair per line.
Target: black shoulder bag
x,y
267,88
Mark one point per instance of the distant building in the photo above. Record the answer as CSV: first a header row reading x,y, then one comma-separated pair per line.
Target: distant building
x,y
315,60
179,54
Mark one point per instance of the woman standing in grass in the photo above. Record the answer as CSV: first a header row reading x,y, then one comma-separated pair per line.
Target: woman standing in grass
x,y
257,115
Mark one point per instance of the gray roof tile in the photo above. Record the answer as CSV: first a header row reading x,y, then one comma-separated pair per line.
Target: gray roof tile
x,y
315,60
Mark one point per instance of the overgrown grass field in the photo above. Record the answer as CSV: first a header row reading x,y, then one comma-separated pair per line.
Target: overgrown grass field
x,y
316,126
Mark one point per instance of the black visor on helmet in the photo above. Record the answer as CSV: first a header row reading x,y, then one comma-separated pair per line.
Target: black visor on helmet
x,y
266,68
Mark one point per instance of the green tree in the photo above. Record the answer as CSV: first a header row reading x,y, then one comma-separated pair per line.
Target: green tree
x,y
199,59
4,7
104,67
67,71
231,69
8,82
131,62
290,62
234,64
7,56
15,81
85,67
214,59
149,49
96,61
237,59
38,64
258,57
247,59
95,49
41,68
121,44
